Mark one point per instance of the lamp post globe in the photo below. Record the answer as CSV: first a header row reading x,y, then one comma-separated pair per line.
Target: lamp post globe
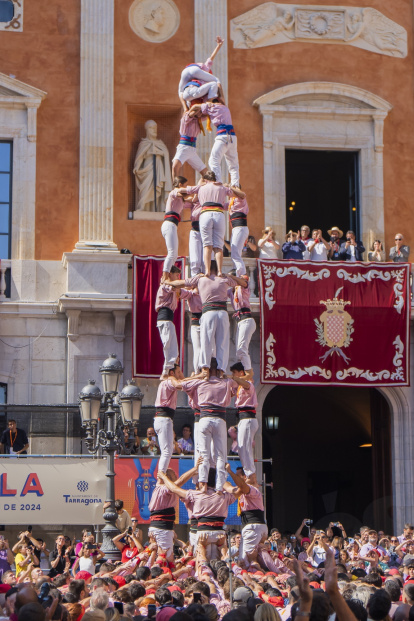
x,y
111,371
130,401
90,402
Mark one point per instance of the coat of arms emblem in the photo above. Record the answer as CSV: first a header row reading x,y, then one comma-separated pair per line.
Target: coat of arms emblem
x,y
334,327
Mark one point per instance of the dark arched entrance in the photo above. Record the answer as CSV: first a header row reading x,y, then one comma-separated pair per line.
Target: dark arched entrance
x,y
320,470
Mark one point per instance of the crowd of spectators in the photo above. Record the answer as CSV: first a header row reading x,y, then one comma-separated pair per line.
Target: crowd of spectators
x,y
305,244
312,573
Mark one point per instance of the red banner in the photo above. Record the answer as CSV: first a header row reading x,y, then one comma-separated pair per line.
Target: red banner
x,y
147,354
334,323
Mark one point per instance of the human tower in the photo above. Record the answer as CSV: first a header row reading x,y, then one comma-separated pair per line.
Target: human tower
x,y
209,389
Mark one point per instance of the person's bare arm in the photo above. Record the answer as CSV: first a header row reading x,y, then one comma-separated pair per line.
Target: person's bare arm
x,y
241,483
241,382
240,281
189,474
194,110
305,592
343,612
298,533
238,192
181,493
183,103
220,42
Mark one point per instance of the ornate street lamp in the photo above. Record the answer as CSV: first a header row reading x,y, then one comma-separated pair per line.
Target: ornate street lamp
x,y
91,401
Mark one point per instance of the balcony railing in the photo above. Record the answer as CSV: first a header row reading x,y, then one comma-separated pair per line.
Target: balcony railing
x,y
5,267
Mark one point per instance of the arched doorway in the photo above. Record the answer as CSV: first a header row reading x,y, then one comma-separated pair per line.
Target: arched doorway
x,y
321,470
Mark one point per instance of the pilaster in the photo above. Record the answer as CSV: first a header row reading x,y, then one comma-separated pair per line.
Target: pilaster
x,y
96,125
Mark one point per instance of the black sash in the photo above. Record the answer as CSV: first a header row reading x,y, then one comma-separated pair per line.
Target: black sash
x,y
195,225
210,523
212,205
212,410
163,518
195,319
254,516
243,313
246,412
164,411
214,306
165,314
172,216
196,416
193,525
238,218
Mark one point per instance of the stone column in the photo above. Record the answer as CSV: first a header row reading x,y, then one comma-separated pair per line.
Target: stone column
x,y
96,125
210,20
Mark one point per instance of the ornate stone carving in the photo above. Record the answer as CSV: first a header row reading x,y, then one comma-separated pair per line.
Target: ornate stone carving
x,y
15,24
154,20
366,28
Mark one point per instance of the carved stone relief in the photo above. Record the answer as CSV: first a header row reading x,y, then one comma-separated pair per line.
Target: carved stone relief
x,y
366,28
154,20
16,23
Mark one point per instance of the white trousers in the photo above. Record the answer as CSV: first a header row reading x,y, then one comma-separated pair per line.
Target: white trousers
x,y
196,451
169,343
244,333
211,548
246,430
164,539
225,146
212,228
251,536
163,427
195,340
170,234
193,541
238,236
196,253
184,154
215,331
212,441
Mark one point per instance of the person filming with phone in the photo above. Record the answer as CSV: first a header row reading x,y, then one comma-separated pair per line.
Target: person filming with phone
x,y
149,445
351,250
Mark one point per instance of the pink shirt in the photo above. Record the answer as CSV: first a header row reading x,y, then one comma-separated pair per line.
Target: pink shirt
x,y
194,302
175,203
161,498
240,298
195,211
192,401
209,504
211,192
168,297
219,113
239,205
212,288
166,395
214,391
245,397
189,126
252,500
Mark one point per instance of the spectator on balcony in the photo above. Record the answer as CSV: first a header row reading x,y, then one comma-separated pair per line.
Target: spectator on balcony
x,y
335,243
267,245
14,441
249,250
149,445
293,248
303,235
351,250
177,450
400,252
377,254
318,247
186,442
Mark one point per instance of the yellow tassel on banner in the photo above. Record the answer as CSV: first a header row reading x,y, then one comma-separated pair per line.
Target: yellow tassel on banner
x,y
208,124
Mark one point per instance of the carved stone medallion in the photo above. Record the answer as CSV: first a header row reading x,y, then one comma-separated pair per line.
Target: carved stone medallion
x,y
272,23
154,20
16,22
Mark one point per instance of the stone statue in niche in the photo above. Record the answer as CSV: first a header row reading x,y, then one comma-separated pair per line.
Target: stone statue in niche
x,y
271,24
152,171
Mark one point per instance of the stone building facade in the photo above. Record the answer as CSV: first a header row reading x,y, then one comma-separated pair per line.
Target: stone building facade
x,y
78,81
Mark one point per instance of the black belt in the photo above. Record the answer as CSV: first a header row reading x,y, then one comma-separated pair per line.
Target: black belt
x,y
172,216
195,319
243,313
254,516
193,525
196,415
163,518
211,204
212,410
210,523
246,412
165,314
164,411
195,225
238,218
214,306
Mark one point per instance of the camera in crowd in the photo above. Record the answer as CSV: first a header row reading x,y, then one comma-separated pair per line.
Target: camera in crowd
x,y
308,522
